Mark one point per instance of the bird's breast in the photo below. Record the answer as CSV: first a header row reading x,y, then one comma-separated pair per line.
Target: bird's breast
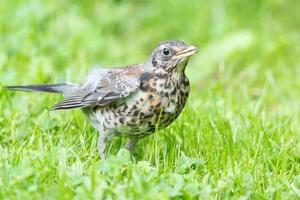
x,y
165,95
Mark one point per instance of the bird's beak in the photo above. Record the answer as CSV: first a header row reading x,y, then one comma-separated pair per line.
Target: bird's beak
x,y
191,50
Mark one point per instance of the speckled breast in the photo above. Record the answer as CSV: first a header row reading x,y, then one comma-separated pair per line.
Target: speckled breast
x,y
156,105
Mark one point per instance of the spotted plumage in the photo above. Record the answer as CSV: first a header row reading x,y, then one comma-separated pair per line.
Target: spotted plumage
x,y
130,101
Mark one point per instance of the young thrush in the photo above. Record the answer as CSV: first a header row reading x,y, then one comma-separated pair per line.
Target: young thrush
x,y
129,101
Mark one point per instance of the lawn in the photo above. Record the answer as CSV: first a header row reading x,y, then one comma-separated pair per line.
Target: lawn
x,y
237,138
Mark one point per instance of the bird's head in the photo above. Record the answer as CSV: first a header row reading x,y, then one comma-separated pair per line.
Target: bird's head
x,y
171,56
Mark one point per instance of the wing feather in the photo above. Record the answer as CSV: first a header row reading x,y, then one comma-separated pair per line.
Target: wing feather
x,y
103,87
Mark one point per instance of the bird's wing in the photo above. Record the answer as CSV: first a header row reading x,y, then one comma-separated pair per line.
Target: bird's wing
x,y
103,87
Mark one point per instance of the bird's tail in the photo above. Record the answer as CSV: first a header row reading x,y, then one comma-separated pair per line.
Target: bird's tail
x,y
53,88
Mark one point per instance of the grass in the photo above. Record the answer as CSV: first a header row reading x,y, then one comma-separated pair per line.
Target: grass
x,y
238,137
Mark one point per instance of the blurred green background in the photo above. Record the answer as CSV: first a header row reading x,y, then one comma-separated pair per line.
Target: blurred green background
x,y
238,137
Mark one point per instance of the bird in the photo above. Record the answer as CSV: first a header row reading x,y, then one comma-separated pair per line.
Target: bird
x,y
132,101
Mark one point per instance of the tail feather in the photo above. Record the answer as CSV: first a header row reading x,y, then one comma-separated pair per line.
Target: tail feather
x,y
53,88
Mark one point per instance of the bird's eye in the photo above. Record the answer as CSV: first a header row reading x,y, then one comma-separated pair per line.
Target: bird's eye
x,y
166,51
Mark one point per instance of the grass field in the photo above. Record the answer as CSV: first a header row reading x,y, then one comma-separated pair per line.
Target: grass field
x,y
238,137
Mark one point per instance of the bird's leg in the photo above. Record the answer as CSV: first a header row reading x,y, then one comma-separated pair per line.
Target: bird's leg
x,y
130,145
102,144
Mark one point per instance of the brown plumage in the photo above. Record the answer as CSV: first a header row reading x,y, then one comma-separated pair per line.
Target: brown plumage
x,y
130,101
